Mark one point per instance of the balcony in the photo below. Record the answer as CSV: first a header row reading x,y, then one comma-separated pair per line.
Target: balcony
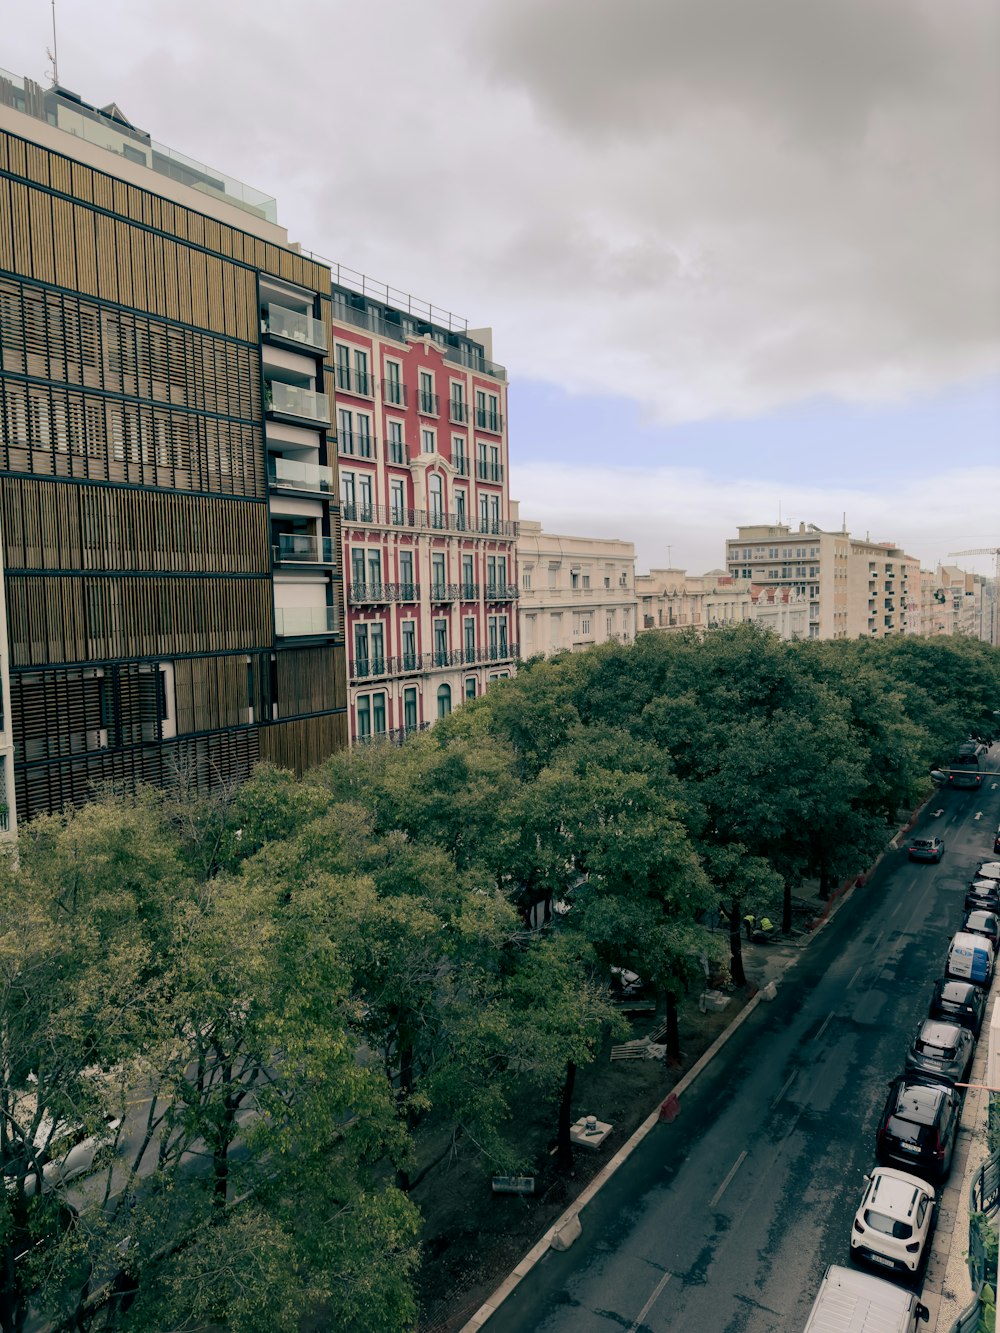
x,y
397,452
353,444
458,412
469,592
428,404
304,549
489,471
294,404
288,326
461,465
393,516
284,474
445,592
393,393
293,621
372,593
501,592
470,360
367,319
491,421
365,668
358,382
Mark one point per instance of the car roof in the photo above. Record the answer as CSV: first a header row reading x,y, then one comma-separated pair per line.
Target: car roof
x,y
955,990
936,1032
895,1192
991,886
919,1099
988,870
981,917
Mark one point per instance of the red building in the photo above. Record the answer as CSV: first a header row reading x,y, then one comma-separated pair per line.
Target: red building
x,y
429,547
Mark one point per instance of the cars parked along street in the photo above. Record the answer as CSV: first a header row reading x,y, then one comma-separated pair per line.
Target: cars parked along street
x,y
983,895
919,1125
942,1050
894,1224
982,923
959,1002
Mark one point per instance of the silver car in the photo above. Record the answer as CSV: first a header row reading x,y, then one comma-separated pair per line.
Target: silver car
x,y
944,1050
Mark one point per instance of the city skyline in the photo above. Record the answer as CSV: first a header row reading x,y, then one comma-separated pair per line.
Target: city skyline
x,y
726,281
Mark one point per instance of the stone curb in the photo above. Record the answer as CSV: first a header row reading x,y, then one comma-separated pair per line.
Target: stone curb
x,y
541,1246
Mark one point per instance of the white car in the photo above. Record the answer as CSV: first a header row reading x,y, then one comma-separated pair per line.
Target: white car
x,y
892,1228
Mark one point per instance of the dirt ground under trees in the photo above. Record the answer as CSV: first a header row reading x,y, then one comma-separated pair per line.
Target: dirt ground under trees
x,y
472,1238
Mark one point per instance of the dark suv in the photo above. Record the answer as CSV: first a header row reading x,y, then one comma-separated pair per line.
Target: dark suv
x,y
919,1125
983,895
959,1002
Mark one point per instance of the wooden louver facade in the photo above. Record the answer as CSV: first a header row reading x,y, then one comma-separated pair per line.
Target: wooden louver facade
x,y
134,494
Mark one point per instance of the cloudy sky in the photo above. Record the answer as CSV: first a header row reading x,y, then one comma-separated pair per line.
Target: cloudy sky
x,y
741,257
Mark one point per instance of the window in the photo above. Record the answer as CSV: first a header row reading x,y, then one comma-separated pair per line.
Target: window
x,y
343,358
469,645
438,576
586,580
347,493
440,643
392,387
494,513
364,717
611,625
363,435
364,498
357,567
410,710
376,638
345,430
484,515
585,625
397,500
428,442
470,687
574,578
409,637
469,588
395,447
406,573
491,575
378,714
480,461
361,659
457,409
526,580
458,458
435,491
444,700
495,473
428,398
362,383
460,518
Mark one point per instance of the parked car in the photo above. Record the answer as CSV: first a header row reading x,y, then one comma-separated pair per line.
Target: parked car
x,y
959,1002
988,870
926,849
943,1050
970,958
894,1224
982,923
996,841
983,895
848,1299
919,1125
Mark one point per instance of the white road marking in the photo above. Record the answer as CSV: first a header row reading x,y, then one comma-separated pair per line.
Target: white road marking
x,y
855,977
878,941
788,1083
649,1304
895,909
728,1180
826,1022
978,815
935,813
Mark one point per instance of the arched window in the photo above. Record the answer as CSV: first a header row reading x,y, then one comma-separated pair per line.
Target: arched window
x,y
444,700
435,490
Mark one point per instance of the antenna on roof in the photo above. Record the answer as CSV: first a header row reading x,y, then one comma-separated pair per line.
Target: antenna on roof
x,y
53,55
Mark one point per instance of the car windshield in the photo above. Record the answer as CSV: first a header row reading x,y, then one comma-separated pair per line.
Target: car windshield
x,y
936,1052
922,842
909,1131
888,1226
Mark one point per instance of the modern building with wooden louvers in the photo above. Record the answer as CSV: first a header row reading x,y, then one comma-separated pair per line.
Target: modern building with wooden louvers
x,y
169,525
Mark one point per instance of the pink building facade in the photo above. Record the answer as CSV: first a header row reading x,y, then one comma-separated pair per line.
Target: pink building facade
x,y
430,565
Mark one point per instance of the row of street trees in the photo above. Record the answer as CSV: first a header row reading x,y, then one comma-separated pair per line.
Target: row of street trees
x,y
263,1001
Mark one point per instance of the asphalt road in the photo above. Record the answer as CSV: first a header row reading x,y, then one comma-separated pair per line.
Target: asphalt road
x,y
725,1220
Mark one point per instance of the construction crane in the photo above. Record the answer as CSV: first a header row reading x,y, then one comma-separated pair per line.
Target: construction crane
x,y
994,551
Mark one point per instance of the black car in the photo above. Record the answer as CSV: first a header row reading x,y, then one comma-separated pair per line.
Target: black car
x,y
925,849
983,895
959,1002
943,1049
982,923
919,1126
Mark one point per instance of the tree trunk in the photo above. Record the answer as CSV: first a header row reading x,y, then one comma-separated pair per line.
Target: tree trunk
x,y
736,945
564,1146
824,879
405,1107
673,1030
786,909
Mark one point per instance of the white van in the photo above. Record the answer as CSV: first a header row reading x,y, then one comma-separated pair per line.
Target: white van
x,y
970,957
849,1299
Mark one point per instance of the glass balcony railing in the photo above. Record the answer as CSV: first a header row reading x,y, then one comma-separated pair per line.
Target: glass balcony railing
x,y
290,621
287,474
304,548
293,327
291,401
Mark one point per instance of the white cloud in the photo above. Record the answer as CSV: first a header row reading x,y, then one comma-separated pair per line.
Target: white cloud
x,y
713,207
692,511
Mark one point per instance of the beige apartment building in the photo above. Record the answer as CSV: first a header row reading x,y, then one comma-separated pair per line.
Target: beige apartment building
x,y
856,588
672,599
575,591
954,602
783,611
